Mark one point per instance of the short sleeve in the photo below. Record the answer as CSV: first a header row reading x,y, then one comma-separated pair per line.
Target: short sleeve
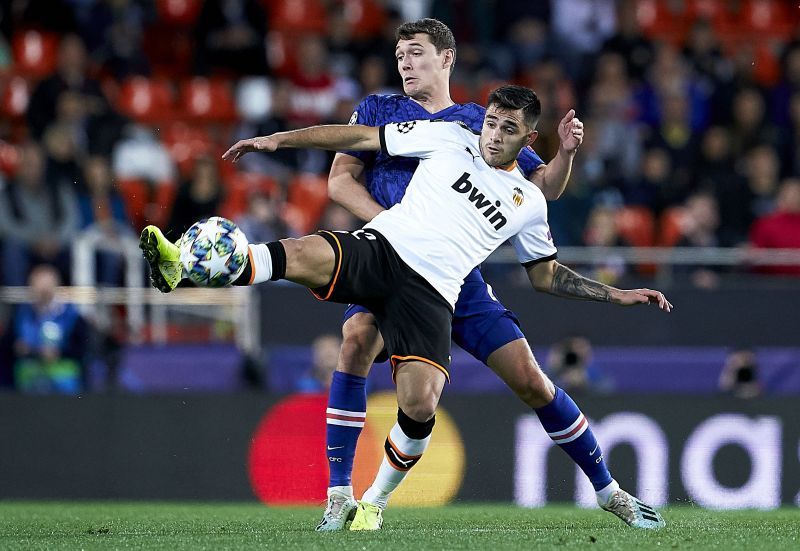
x,y
534,243
415,138
365,114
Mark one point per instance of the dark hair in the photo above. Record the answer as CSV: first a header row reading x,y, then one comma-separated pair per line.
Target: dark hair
x,y
439,34
515,97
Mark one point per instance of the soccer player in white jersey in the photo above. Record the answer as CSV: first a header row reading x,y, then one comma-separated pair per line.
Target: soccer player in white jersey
x,y
466,198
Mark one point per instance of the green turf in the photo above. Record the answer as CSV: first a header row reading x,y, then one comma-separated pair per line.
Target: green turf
x,y
112,525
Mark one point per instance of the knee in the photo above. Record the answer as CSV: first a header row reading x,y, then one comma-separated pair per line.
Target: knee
x,y
420,407
535,388
360,344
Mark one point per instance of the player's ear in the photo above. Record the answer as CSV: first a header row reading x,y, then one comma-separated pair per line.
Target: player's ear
x,y
448,58
532,137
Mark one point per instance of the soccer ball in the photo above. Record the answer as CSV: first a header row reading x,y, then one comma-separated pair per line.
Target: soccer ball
x,y
213,252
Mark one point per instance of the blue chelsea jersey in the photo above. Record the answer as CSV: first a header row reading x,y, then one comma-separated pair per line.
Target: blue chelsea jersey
x,y
386,178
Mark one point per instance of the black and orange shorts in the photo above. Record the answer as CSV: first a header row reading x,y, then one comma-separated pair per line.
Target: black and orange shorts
x,y
413,318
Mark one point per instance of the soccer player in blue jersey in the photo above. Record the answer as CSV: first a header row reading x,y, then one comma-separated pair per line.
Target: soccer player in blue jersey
x,y
367,183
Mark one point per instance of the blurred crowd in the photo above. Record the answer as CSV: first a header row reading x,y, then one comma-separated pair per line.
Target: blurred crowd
x,y
114,113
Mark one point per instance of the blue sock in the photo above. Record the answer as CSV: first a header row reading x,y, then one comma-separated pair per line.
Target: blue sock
x,y
347,410
567,427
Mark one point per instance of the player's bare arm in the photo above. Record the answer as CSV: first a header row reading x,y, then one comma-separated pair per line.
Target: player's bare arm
x,y
556,279
346,189
332,137
552,178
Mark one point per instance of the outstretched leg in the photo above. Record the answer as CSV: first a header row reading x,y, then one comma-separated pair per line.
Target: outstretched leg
x,y
567,427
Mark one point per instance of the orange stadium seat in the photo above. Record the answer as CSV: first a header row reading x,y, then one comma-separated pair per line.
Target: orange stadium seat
x,y
9,159
136,196
35,52
365,17
180,13
208,100
662,19
670,227
636,225
306,200
297,16
281,52
14,98
146,100
185,143
239,186
770,19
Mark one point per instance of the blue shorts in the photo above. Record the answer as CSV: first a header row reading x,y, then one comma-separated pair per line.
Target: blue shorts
x,y
481,324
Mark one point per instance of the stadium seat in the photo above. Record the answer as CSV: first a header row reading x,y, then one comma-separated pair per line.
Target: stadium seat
x,y
636,224
238,189
35,52
136,196
297,16
365,17
185,143
15,97
770,19
208,100
306,200
146,100
9,159
281,52
180,13
662,19
670,227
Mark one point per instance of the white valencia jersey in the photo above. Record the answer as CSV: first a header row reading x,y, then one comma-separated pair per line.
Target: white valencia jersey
x,y
458,209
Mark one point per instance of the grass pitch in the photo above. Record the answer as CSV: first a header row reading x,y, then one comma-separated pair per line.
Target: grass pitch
x,y
114,525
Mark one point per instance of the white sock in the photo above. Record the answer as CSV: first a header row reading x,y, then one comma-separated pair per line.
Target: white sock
x,y
604,494
390,475
260,263
346,491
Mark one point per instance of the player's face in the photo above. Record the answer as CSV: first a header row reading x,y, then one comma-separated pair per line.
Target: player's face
x,y
420,67
503,135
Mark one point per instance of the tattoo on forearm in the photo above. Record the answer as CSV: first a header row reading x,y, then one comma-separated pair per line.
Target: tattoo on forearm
x,y
567,283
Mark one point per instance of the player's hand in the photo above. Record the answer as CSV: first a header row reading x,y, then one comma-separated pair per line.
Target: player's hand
x,y
641,296
570,131
240,148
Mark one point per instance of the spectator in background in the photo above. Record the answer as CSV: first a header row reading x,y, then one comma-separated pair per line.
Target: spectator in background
x,y
47,339
630,42
713,164
700,229
611,107
113,33
262,222
140,155
744,200
313,96
263,120
749,127
780,229
199,197
580,28
72,97
37,220
654,188
61,168
102,210
739,376
569,363
790,138
325,350
229,36
601,231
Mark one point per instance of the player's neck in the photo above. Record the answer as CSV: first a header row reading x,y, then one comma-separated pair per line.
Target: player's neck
x,y
434,103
